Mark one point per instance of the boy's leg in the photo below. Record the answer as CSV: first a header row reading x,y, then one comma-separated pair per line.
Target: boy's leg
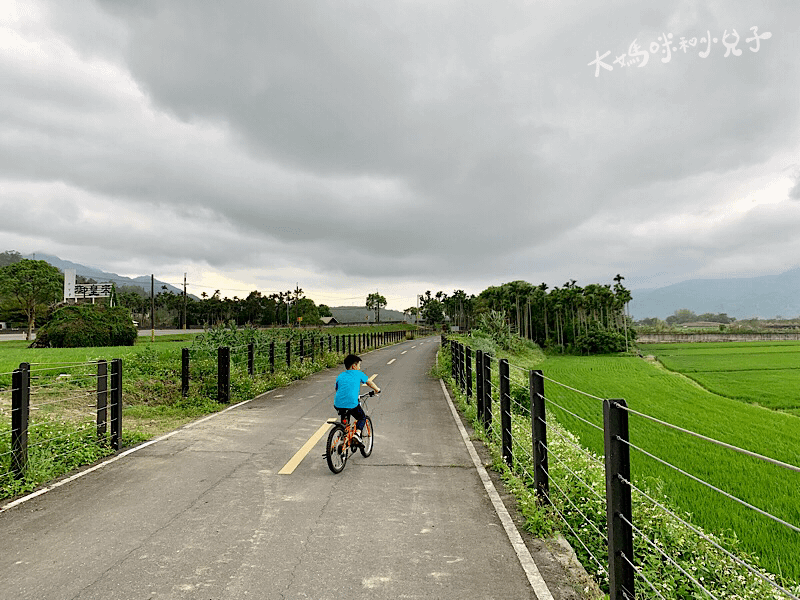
x,y
360,417
361,420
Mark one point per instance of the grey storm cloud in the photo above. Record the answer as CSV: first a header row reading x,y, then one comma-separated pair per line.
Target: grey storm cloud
x,y
419,140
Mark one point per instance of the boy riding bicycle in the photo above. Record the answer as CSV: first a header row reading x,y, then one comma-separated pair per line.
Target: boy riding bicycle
x,y
348,385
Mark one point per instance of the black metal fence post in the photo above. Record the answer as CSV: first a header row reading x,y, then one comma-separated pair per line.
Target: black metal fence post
x,y
505,412
461,370
184,372
459,366
479,383
223,375
618,500
116,403
251,358
541,481
272,356
468,365
102,398
20,410
302,350
487,392
288,353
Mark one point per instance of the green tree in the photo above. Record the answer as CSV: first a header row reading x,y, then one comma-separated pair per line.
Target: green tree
x,y
432,309
682,315
32,284
307,310
376,302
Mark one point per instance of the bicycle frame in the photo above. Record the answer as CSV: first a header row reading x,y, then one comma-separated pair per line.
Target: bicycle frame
x,y
350,425
341,446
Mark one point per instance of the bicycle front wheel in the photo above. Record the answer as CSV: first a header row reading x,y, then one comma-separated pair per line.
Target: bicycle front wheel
x,y
366,438
336,451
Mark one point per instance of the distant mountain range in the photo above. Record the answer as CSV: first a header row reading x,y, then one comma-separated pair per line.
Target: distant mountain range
x,y
767,297
361,314
102,276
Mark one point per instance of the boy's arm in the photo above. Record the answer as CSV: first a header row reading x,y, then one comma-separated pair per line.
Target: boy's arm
x,y
371,384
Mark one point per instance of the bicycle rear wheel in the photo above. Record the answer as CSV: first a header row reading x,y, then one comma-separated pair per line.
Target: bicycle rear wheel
x,y
336,452
366,438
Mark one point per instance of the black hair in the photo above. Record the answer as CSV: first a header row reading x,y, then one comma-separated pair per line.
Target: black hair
x,y
350,360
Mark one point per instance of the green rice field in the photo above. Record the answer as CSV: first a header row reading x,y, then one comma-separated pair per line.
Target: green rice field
x,y
762,373
735,417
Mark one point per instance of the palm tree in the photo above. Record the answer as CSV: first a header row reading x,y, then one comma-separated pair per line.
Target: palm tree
x,y
543,287
623,297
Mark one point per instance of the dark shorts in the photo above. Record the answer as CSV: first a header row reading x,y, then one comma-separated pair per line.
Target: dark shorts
x,y
357,413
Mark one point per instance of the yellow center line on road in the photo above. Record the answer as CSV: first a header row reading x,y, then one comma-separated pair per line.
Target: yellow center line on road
x,y
290,466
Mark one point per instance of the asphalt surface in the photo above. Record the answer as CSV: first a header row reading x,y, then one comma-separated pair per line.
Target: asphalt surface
x,y
203,513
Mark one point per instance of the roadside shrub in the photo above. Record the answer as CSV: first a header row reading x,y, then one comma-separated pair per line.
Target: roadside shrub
x,y
493,325
86,325
597,340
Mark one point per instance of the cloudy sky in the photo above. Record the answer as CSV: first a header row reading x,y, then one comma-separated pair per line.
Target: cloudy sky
x,y
354,145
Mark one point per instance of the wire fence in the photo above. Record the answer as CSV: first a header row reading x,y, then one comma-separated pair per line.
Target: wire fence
x,y
628,536
56,417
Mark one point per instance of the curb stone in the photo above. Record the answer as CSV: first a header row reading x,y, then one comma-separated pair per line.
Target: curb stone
x,y
556,560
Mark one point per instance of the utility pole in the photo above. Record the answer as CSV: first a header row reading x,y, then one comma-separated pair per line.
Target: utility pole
x,y
184,300
152,309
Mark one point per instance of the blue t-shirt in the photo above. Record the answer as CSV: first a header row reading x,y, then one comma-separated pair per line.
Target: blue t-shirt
x,y
348,385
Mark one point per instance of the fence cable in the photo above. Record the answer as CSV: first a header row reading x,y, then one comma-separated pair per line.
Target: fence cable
x,y
67,399
665,555
577,447
549,401
60,383
602,535
712,440
61,437
707,538
601,567
575,475
638,571
522,447
710,486
564,385
60,366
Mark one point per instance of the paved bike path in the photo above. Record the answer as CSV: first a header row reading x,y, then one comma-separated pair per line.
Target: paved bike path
x,y
204,513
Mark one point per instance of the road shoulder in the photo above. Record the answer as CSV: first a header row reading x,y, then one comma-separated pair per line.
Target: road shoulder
x,y
565,577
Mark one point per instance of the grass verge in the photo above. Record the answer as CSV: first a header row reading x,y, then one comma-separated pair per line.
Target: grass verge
x,y
578,511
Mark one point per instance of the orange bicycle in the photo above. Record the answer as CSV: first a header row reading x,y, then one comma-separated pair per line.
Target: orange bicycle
x,y
340,440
